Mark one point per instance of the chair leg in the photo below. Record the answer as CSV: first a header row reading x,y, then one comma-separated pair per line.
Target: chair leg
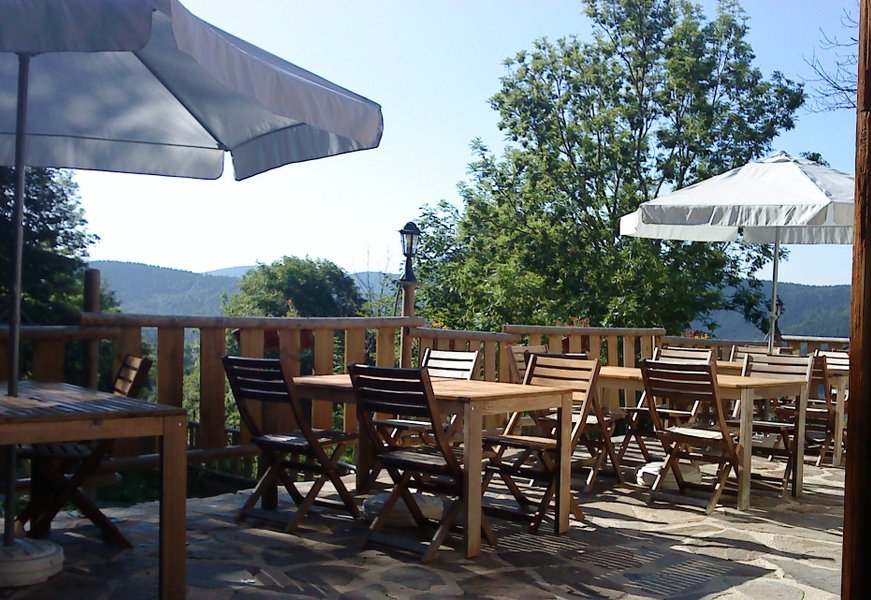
x,y
444,528
723,474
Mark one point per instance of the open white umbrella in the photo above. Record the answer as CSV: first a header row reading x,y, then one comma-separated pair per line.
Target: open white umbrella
x,y
144,86
777,200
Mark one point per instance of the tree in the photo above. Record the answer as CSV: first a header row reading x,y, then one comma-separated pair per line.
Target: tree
x,y
56,242
658,100
835,84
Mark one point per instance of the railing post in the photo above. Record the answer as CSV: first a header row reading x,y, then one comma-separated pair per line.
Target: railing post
x,y
92,347
408,288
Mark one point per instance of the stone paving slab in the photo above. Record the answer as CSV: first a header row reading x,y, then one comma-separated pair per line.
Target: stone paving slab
x,y
781,548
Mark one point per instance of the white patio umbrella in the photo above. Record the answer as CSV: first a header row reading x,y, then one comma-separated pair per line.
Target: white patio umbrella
x,y
777,200
144,86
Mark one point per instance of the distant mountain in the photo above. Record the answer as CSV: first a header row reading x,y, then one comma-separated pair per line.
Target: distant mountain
x,y
231,271
145,289
807,310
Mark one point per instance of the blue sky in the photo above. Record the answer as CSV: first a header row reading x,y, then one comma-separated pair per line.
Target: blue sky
x,y
432,66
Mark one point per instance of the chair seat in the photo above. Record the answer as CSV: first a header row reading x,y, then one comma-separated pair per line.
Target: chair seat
x,y
765,426
64,451
689,434
426,459
403,424
530,442
297,441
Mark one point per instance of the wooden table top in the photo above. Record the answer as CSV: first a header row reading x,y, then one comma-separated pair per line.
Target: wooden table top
x,y
739,382
66,402
444,388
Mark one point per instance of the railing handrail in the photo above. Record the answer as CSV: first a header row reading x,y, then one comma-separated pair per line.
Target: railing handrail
x,y
571,329
476,336
822,340
62,332
125,319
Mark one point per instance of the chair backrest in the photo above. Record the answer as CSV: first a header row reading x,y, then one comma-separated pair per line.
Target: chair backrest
x,y
683,354
740,351
518,357
258,381
792,368
683,383
400,393
572,371
454,364
131,376
820,386
836,360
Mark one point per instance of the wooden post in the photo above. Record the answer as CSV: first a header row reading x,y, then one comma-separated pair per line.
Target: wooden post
x,y
855,576
92,347
408,288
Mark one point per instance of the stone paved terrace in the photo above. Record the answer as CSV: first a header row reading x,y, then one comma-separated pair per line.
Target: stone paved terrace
x,y
624,549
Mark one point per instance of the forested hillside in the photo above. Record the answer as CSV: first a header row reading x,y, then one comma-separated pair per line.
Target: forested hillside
x,y
807,310
145,289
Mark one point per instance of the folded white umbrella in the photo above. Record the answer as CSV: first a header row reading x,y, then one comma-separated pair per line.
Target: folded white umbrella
x,y
144,86
777,200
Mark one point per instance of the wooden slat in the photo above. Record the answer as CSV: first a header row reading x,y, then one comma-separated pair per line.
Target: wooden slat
x,y
212,389
595,346
130,342
647,344
48,360
251,345
385,347
613,356
490,361
289,353
355,352
322,411
170,365
629,350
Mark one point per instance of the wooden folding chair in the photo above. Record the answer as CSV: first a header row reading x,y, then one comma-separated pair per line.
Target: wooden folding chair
x,y
536,456
739,351
256,382
792,368
60,470
704,437
432,466
518,357
837,361
670,415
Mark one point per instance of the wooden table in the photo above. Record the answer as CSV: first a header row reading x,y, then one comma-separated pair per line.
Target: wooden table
x,y
746,390
58,412
471,400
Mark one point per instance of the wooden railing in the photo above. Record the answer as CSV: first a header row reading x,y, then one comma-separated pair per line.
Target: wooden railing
x,y
613,345
803,345
494,364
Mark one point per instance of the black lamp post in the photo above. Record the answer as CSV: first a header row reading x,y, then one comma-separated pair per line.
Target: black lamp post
x,y
410,234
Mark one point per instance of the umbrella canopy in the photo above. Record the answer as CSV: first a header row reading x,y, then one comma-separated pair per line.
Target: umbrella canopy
x,y
144,86
780,199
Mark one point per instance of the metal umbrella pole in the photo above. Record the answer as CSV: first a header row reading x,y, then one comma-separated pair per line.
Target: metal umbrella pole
x,y
772,318
17,260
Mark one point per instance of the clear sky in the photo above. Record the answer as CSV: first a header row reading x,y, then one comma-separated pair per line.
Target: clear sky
x,y
432,66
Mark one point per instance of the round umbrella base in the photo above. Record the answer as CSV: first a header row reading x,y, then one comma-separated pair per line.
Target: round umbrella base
x,y
28,561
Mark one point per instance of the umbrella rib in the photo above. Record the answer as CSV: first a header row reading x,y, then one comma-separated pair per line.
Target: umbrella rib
x,y
196,117
118,140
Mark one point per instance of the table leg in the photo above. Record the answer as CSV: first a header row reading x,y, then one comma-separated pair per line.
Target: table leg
x,y
745,449
840,400
801,420
173,467
473,424
564,483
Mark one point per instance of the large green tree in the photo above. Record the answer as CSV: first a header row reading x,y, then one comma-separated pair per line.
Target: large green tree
x,y
294,286
56,243
658,99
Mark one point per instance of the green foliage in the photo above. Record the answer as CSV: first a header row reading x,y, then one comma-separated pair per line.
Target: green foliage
x,y
55,246
294,286
658,100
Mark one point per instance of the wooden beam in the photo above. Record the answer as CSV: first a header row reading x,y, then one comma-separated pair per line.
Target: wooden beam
x,y
855,576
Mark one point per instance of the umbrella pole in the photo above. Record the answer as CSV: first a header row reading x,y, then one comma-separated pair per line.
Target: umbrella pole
x,y
772,319
15,288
